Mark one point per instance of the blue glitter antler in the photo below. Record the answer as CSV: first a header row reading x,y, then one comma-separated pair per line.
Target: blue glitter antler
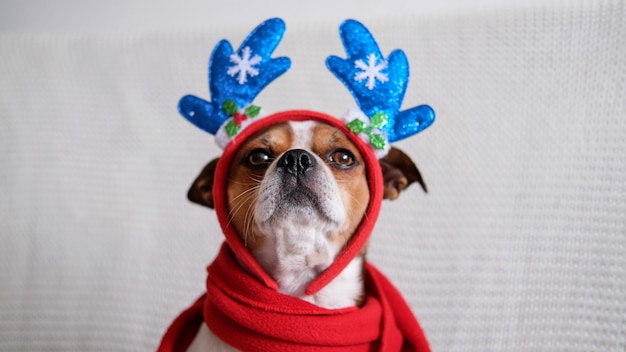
x,y
378,86
235,79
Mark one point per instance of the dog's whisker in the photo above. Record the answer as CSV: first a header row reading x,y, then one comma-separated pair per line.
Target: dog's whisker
x,y
245,183
246,227
240,202
257,180
248,221
247,192
249,224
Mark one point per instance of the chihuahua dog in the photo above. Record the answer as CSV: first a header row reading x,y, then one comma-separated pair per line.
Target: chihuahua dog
x,y
297,192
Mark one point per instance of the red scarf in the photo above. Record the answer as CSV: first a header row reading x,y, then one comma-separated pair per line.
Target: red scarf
x,y
249,316
245,309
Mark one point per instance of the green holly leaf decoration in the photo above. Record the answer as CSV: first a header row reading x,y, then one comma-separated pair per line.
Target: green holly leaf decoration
x,y
230,107
231,128
356,126
252,111
378,120
378,141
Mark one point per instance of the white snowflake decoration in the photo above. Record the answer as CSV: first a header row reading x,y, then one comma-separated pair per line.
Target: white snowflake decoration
x,y
371,71
244,65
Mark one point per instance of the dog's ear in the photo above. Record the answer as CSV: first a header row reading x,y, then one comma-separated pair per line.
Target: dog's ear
x,y
201,191
399,172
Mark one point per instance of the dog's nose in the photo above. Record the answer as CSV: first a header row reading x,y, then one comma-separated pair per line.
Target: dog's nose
x,y
297,162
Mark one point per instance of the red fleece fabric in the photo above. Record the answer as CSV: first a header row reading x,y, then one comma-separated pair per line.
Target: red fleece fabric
x,y
245,309
249,316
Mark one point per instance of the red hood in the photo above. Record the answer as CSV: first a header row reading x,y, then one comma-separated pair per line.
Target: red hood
x,y
375,181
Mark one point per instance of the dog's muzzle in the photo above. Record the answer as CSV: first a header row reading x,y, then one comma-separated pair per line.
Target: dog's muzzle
x,y
299,181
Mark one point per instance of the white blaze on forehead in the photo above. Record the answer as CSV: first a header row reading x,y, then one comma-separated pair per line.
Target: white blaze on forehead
x,y
302,134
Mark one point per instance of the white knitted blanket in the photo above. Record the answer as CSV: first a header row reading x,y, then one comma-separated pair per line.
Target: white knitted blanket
x,y
520,244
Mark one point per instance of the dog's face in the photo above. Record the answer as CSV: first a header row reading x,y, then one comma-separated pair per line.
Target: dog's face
x,y
297,177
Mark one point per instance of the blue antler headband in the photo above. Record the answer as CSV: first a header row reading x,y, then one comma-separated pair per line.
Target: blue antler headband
x,y
235,79
378,85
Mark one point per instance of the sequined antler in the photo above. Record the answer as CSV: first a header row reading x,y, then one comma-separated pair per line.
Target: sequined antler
x,y
378,86
235,79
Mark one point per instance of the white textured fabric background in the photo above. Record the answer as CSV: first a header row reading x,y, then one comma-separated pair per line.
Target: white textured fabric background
x,y
520,244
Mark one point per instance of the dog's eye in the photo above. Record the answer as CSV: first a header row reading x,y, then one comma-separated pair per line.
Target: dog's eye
x,y
259,158
342,159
